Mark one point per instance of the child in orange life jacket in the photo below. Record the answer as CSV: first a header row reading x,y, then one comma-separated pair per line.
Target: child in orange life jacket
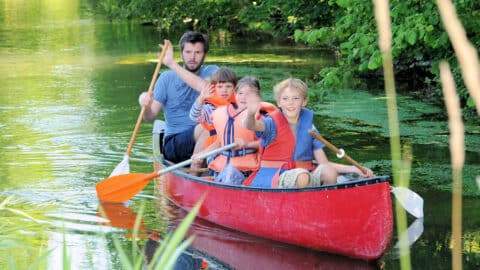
x,y
228,125
218,93
288,147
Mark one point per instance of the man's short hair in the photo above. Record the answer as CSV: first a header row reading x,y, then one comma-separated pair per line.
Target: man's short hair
x,y
194,37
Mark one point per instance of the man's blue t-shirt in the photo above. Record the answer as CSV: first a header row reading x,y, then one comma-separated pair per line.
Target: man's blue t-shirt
x,y
177,98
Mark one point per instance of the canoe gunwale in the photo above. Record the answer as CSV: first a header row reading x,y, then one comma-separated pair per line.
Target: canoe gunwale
x,y
348,184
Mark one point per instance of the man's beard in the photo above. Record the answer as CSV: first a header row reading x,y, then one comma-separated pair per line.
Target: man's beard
x,y
194,70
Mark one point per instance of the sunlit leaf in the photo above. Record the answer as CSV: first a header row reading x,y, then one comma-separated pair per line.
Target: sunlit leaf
x,y
375,61
412,37
5,202
21,213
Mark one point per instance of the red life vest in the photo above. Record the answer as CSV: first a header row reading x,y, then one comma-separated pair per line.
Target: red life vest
x,y
279,153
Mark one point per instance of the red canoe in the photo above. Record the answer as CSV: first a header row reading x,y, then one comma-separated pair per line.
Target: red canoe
x,y
353,218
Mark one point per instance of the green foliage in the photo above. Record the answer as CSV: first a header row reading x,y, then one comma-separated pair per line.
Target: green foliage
x,y
179,15
419,41
279,18
282,17
348,26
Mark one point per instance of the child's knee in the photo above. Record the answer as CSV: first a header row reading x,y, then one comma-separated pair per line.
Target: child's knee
x,y
328,176
303,180
324,175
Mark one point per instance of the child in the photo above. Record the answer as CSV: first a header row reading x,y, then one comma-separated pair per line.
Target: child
x,y
288,147
218,93
228,125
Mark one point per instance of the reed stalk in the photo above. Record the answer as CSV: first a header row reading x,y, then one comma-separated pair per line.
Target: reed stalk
x,y
382,16
457,152
468,60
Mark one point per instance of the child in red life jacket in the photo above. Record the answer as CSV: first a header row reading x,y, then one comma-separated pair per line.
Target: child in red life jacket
x,y
288,147
218,93
229,127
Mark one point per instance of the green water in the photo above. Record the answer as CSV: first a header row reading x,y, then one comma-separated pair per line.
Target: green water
x,y
68,105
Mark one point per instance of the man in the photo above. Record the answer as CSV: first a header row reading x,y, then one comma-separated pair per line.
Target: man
x,y
175,97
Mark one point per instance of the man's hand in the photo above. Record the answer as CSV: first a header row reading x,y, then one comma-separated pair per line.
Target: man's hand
x,y
145,99
169,58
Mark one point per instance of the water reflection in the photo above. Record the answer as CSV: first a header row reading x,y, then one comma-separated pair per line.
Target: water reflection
x,y
220,248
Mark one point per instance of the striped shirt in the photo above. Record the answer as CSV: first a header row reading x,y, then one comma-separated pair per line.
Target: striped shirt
x,y
202,113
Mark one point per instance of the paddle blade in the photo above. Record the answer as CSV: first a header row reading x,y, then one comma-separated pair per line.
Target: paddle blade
x,y
411,201
121,188
122,168
412,234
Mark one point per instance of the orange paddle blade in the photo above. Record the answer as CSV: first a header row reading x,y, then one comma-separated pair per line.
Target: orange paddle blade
x,y
121,188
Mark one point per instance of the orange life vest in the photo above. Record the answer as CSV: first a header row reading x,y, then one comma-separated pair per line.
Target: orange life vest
x,y
227,121
217,102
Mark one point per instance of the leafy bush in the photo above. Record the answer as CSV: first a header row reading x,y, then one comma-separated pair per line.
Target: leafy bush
x,y
346,26
419,42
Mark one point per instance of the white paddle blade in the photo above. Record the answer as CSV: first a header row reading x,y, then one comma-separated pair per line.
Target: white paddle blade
x,y
411,201
122,168
412,234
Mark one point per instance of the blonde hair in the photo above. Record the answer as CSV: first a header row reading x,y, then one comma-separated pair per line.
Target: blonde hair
x,y
292,83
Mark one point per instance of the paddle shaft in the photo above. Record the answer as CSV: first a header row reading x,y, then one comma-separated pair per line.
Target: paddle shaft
x,y
120,188
201,156
150,89
337,151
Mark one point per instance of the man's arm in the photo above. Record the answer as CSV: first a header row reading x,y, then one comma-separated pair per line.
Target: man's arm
x,y
191,79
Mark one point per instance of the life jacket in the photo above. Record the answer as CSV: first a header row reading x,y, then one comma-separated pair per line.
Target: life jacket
x,y
265,108
228,125
217,102
278,155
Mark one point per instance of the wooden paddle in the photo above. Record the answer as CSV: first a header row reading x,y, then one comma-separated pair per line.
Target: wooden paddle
x,y
123,167
121,188
340,152
411,201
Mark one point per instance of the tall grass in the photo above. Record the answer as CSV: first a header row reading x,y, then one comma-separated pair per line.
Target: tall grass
x,y
166,254
457,150
468,60
382,16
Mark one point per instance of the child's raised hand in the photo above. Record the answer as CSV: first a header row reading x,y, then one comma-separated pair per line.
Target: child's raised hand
x,y
207,90
253,103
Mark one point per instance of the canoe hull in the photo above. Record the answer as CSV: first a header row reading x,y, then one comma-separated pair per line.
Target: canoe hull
x,y
355,221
